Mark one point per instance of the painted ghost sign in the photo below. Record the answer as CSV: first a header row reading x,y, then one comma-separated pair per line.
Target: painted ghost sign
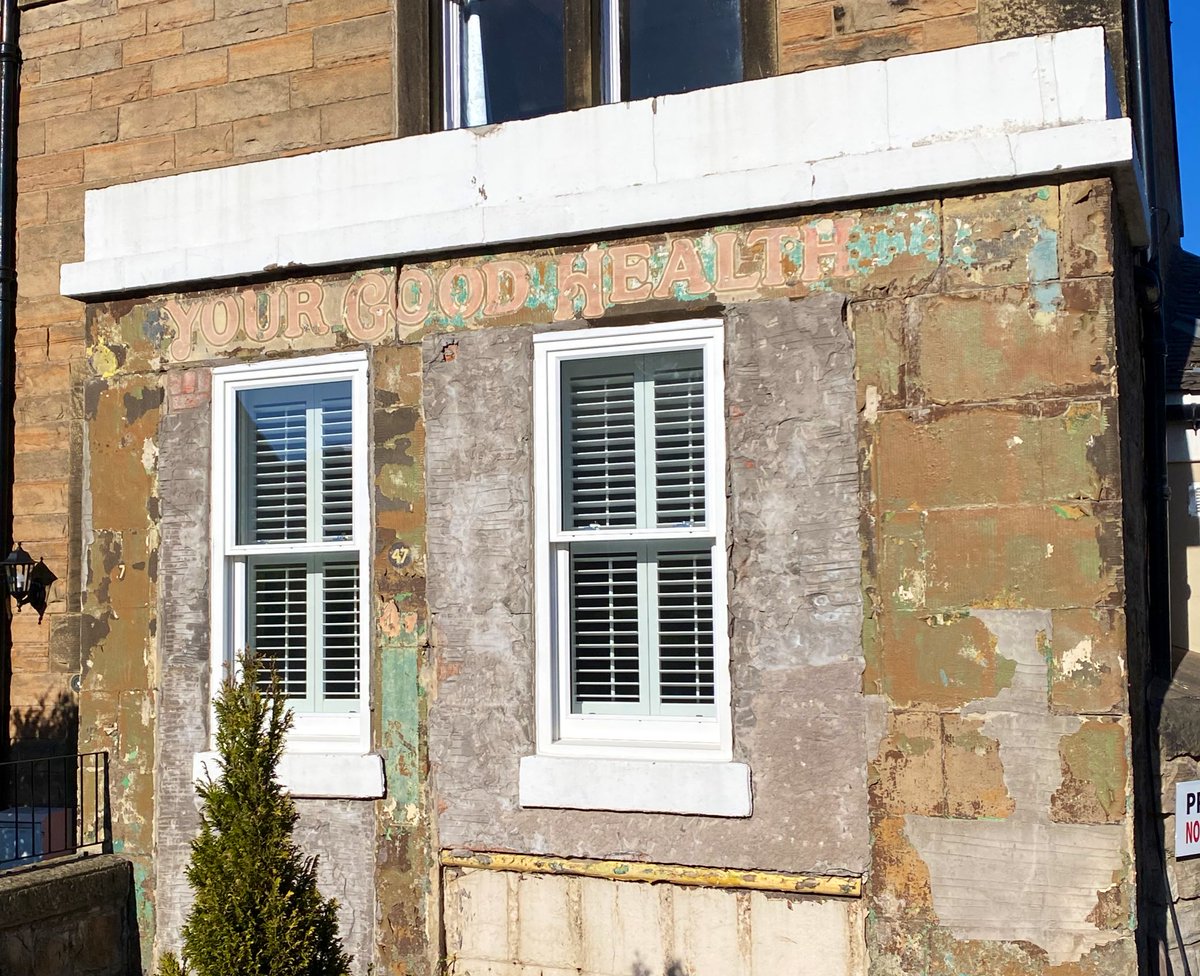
x,y
362,306
555,285
725,264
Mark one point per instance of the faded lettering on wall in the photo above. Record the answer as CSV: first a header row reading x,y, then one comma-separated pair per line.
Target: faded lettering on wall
x,y
776,260
364,306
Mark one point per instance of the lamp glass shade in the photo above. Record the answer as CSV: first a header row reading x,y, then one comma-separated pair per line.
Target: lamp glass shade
x,y
17,566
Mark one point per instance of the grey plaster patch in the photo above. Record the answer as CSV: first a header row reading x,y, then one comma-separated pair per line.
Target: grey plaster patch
x,y
795,602
184,437
1025,878
340,832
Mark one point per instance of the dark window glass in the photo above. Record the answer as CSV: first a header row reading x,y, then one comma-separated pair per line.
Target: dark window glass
x,y
681,45
521,44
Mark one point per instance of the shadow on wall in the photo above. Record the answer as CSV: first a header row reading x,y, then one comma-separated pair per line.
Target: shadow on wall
x,y
673,969
45,739
49,728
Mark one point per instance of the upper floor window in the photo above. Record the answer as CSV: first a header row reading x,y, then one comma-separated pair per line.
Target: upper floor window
x,y
504,60
678,45
517,59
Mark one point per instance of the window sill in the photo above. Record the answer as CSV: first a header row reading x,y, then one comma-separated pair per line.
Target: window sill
x,y
344,776
709,789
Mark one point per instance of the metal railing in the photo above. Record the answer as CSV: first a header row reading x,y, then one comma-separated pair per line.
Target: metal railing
x,y
54,807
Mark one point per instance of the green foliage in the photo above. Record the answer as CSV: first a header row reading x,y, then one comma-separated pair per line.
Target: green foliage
x,y
171,966
257,910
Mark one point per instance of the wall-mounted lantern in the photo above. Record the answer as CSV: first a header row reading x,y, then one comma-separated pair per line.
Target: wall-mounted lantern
x,y
27,581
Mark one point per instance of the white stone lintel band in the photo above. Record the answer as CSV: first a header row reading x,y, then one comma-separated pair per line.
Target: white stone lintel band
x,y
981,115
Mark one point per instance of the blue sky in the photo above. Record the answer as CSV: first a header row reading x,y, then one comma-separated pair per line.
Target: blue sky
x,y
1185,54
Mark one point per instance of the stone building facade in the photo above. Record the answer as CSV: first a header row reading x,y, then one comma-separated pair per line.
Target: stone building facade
x,y
820,390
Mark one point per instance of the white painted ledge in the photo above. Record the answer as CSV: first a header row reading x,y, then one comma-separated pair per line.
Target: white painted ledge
x,y
346,776
983,114
712,789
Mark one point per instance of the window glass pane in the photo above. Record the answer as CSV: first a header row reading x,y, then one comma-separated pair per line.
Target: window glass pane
x,y
337,465
279,473
679,441
681,45
685,628
339,631
273,484
601,452
512,60
604,625
278,608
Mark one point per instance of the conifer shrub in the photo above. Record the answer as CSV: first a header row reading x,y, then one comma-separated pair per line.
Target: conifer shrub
x,y
257,910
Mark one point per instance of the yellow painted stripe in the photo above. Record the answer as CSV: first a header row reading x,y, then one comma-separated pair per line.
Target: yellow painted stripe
x,y
806,884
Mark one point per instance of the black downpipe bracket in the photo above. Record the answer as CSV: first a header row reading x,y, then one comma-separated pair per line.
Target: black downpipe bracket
x,y
10,82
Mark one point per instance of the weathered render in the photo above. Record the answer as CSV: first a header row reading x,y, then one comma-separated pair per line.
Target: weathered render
x,y
920,421
936,525
993,499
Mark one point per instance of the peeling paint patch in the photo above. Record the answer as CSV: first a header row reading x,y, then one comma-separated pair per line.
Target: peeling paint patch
x,y
149,456
1094,776
976,894
1087,667
1042,260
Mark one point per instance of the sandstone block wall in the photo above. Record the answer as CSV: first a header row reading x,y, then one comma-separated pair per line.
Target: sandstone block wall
x,y
998,643
117,91
820,33
150,426
111,92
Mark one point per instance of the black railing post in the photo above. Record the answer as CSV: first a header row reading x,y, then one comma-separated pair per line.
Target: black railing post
x,y
77,813
108,833
48,818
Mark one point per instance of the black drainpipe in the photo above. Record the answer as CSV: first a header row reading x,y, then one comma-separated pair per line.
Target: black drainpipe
x,y
1154,352
10,82
1150,286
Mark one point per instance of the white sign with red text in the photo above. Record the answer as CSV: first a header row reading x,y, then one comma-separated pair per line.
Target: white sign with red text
x,y
1187,819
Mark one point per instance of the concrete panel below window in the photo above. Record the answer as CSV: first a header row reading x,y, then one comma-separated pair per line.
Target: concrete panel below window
x,y
500,922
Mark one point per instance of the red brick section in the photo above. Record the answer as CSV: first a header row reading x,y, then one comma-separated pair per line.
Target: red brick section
x,y
120,90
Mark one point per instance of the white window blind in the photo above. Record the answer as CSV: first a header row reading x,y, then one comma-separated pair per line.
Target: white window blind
x,y
277,442
295,511
602,453
633,464
337,468
685,628
606,632
679,445
279,608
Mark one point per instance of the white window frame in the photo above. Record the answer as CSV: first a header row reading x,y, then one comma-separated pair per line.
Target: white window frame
x,y
606,736
334,732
